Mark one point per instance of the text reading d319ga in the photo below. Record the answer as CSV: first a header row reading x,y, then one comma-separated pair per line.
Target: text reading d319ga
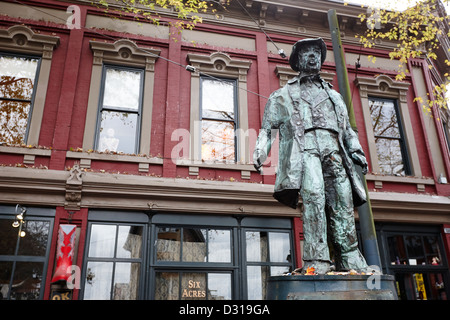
x,y
245,309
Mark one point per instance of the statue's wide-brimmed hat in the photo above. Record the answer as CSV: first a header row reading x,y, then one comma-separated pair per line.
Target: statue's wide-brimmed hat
x,y
293,59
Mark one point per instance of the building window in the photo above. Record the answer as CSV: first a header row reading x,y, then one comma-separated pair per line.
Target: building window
x,y
23,83
389,140
209,248
218,115
415,255
189,257
446,133
193,245
23,260
119,72
114,262
219,109
229,261
120,110
267,254
18,75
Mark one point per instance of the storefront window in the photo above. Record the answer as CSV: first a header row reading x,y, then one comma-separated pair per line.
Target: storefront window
x,y
22,259
114,262
182,257
421,286
268,254
414,250
415,256
193,286
193,245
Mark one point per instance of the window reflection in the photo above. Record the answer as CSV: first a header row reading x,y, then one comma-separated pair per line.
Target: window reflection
x,y
280,248
126,281
256,282
218,120
268,253
120,110
219,248
8,239
21,275
388,139
6,268
414,250
98,281
118,132
114,266
35,242
27,281
262,244
122,89
17,79
193,286
197,245
168,245
257,244
129,242
218,141
219,286
102,241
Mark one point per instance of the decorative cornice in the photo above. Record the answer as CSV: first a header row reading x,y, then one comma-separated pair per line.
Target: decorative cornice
x,y
382,84
52,188
22,39
124,51
219,63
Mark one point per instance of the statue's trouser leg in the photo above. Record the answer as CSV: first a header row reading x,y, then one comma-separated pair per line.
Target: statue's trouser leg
x,y
315,246
339,208
327,200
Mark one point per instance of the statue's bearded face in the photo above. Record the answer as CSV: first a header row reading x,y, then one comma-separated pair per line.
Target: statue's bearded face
x,y
309,58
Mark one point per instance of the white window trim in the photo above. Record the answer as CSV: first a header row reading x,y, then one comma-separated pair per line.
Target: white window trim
x,y
122,53
22,40
383,86
219,64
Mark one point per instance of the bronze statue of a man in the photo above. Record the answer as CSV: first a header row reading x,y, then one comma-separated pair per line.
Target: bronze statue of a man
x,y
317,153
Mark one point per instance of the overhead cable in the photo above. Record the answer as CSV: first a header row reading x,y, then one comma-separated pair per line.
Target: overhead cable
x,y
280,51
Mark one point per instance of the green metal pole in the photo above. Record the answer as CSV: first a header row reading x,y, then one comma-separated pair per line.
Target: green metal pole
x,y
368,233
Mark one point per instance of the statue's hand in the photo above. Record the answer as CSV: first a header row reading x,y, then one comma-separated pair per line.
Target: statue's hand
x,y
259,157
360,160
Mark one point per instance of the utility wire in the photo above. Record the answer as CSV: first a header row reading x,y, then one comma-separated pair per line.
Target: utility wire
x,y
280,51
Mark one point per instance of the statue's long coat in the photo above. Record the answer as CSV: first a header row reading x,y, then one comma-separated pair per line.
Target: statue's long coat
x,y
279,114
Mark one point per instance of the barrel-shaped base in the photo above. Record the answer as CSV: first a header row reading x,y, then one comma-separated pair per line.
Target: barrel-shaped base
x,y
331,287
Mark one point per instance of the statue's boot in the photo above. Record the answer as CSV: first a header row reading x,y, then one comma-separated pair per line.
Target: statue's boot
x,y
352,260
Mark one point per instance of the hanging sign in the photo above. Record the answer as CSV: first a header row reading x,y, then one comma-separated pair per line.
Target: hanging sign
x,y
64,252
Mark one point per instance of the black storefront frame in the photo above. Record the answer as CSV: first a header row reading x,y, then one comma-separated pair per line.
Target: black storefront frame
x,y
32,214
238,225
238,266
386,230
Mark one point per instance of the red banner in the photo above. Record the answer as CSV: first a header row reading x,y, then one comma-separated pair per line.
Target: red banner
x,y
64,252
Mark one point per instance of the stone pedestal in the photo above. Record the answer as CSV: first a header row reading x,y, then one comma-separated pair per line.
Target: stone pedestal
x,y
332,287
